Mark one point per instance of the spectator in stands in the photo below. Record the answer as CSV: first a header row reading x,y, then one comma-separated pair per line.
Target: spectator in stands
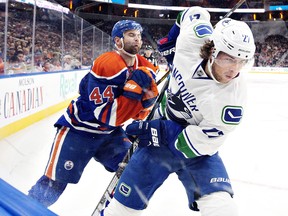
x,y
56,64
67,62
38,48
76,64
38,61
11,51
15,66
20,56
1,64
86,61
46,66
27,57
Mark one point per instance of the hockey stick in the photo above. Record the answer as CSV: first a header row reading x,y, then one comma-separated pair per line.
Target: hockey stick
x,y
108,194
234,8
163,77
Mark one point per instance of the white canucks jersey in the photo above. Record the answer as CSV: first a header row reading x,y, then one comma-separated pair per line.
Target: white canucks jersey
x,y
210,110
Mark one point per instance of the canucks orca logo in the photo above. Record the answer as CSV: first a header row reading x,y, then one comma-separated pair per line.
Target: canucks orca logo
x,y
203,30
175,102
232,114
124,189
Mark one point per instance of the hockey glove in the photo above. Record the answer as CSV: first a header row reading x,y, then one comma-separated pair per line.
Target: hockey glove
x,y
142,87
150,95
154,133
140,79
166,45
167,49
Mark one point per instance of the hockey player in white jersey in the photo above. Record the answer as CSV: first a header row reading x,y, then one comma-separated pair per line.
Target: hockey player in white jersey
x,y
205,101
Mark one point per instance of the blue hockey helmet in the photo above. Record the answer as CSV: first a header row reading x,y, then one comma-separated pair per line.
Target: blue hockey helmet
x,y
124,25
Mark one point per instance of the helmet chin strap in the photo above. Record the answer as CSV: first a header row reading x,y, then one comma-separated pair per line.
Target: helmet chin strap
x,y
209,68
124,51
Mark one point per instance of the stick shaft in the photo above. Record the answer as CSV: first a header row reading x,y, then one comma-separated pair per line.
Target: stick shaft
x,y
234,8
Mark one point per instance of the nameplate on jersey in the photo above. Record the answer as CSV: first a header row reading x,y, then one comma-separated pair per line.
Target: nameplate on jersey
x,y
232,114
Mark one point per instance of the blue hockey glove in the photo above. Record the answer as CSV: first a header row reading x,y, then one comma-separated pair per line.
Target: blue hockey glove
x,y
150,95
167,49
136,86
154,133
166,45
142,87
142,77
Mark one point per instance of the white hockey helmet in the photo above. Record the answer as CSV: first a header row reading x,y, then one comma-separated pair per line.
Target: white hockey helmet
x,y
234,38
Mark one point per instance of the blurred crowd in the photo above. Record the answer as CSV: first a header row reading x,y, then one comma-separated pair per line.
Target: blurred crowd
x,y
273,52
50,52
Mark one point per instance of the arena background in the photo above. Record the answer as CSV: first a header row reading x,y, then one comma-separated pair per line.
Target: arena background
x,y
46,48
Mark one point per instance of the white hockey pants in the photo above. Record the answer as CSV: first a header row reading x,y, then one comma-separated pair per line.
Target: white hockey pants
x,y
115,208
215,204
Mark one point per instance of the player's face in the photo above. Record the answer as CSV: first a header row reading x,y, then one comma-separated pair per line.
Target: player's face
x,y
132,41
226,67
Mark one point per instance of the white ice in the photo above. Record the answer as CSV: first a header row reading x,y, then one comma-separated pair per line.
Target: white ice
x,y
255,156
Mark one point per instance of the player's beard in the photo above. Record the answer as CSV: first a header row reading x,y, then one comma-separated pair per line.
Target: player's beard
x,y
132,49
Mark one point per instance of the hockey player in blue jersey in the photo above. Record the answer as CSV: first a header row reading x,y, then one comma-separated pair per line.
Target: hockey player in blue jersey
x,y
205,101
119,86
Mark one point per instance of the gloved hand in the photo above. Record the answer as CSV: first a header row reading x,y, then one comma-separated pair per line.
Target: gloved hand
x,y
154,133
167,49
150,95
142,87
166,45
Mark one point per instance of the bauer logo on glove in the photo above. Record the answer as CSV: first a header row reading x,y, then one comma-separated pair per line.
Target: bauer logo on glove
x,y
155,133
130,86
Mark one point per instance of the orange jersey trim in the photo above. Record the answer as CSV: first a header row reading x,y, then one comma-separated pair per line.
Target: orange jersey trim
x,y
53,159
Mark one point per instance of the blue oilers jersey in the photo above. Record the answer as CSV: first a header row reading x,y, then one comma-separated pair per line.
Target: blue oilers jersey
x,y
101,107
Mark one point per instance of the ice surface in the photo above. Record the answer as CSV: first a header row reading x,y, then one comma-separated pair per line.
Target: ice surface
x,y
255,156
